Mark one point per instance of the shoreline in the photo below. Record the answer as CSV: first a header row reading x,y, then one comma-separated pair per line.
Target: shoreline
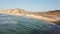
x,y
50,16
34,16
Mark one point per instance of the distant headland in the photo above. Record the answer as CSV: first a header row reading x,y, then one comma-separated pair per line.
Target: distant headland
x,y
51,16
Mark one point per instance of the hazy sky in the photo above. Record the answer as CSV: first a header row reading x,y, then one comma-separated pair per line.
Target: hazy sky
x,y
33,5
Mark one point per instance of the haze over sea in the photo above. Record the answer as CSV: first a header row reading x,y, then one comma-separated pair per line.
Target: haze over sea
x,y
10,24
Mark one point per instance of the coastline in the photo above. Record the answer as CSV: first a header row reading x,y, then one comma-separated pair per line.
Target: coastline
x,y
36,15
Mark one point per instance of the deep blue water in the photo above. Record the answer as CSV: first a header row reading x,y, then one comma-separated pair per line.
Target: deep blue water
x,y
23,25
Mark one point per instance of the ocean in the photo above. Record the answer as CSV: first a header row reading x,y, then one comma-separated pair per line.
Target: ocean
x,y
10,24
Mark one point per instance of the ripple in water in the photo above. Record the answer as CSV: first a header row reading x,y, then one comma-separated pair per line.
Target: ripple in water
x,y
22,25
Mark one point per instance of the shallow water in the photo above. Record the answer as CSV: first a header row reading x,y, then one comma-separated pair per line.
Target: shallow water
x,y
23,25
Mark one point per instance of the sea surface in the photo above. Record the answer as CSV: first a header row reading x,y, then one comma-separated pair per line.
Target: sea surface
x,y
10,24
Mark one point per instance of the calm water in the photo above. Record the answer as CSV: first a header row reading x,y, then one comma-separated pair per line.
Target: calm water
x,y
23,25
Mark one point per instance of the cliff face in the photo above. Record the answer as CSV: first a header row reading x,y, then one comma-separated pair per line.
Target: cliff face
x,y
52,16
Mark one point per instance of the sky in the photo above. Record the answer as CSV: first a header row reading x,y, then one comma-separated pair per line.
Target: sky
x,y
31,5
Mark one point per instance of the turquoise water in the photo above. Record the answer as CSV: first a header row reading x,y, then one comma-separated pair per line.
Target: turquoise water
x,y
23,25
